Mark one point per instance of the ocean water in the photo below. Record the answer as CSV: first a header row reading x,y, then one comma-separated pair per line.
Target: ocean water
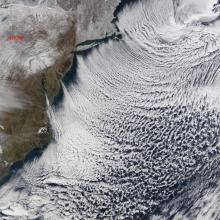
x,y
136,132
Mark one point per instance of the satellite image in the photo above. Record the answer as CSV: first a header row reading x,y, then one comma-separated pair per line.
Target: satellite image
x,y
109,110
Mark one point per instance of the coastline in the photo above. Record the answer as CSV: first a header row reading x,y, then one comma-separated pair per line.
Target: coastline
x,y
28,128
36,151
53,89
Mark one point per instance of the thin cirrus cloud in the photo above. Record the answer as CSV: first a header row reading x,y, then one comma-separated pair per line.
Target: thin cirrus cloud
x,y
10,97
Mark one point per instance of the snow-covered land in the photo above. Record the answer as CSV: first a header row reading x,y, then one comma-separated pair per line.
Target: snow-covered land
x,y
37,38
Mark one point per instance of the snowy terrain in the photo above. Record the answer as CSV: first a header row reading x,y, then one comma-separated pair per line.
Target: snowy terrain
x,y
137,128
40,27
41,23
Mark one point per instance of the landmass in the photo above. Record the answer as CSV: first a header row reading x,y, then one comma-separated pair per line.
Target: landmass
x,y
38,39
34,78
